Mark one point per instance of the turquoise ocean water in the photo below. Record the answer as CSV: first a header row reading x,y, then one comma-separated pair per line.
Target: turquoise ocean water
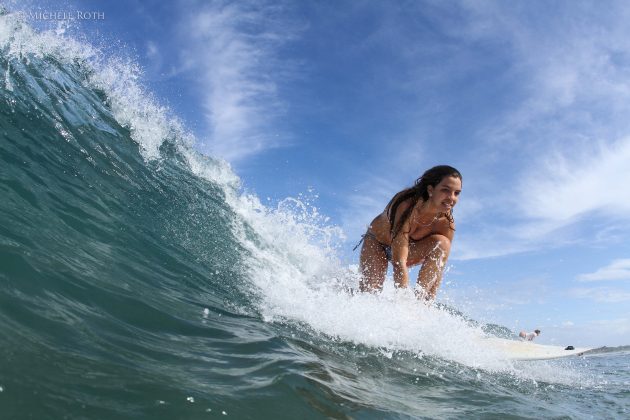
x,y
138,280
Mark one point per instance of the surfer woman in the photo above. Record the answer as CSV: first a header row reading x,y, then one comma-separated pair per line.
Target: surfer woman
x,y
416,227
529,336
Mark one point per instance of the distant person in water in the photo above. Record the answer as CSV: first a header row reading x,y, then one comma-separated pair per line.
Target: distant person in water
x,y
529,336
416,227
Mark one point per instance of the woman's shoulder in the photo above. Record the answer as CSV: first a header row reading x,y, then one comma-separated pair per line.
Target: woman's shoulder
x,y
403,203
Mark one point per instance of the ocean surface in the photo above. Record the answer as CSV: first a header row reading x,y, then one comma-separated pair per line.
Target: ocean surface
x,y
139,280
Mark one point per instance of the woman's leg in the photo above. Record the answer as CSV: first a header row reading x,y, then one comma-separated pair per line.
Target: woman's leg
x,y
432,252
372,265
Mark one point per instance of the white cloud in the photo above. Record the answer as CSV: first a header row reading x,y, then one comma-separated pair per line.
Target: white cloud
x,y
621,326
601,294
556,200
567,66
365,203
565,133
594,333
153,52
468,209
233,46
616,270
488,243
563,190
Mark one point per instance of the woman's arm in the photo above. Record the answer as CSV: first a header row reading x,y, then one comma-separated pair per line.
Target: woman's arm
x,y
400,253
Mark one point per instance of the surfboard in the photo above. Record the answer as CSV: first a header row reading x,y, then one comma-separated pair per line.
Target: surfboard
x,y
526,350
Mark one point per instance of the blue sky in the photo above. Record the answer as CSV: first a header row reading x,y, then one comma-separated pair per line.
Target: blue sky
x,y
353,100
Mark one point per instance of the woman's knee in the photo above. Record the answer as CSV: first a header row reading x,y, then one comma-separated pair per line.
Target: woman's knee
x,y
442,244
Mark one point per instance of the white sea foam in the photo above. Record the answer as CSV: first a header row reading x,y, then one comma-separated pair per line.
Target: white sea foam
x,y
300,280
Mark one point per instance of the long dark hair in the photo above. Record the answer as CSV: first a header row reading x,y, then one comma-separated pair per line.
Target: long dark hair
x,y
419,191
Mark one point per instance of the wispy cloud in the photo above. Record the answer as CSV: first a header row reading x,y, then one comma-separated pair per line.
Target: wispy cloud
x,y
365,203
601,294
486,243
554,198
571,71
621,326
597,332
562,190
564,134
616,270
233,47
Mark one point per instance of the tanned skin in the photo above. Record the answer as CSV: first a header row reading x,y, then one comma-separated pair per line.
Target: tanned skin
x,y
425,238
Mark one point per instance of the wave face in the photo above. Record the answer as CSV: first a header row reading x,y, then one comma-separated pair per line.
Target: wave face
x,y
137,280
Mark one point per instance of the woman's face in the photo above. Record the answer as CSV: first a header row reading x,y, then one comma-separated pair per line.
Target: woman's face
x,y
444,195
